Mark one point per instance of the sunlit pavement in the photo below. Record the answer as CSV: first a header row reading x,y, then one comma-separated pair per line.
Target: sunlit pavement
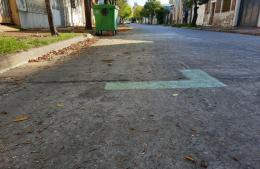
x,y
152,98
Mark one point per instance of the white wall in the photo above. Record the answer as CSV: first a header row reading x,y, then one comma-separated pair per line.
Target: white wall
x,y
38,20
201,13
258,21
56,17
33,20
76,16
177,11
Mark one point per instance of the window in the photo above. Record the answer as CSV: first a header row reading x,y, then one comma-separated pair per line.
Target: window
x,y
218,6
73,3
4,8
36,6
226,5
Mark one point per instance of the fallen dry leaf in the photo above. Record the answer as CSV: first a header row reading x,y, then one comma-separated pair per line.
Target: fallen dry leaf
x,y
108,61
60,105
145,146
194,130
74,48
235,158
178,125
4,112
203,164
18,82
190,158
21,118
132,129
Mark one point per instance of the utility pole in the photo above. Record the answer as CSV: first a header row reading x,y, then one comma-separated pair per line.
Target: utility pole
x,y
53,29
88,14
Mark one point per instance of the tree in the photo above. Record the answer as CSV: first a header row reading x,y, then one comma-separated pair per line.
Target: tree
x,y
88,15
125,10
196,4
52,27
151,7
160,14
144,13
137,13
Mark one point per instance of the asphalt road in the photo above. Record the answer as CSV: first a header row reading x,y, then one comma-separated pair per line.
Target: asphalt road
x,y
75,123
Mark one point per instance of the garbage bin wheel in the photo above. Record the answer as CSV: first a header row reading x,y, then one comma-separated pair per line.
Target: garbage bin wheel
x,y
114,32
99,33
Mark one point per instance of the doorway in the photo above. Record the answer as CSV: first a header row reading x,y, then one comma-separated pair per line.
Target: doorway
x,y
5,14
249,13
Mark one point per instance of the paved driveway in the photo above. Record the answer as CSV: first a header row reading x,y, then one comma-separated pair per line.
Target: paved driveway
x,y
75,120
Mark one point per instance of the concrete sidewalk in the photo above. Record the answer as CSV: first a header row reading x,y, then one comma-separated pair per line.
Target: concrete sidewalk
x,y
14,60
6,28
246,31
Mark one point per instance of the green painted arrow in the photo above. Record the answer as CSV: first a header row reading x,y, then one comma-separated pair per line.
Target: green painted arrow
x,y
197,79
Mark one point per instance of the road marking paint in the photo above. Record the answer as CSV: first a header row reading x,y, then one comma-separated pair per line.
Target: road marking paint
x,y
197,79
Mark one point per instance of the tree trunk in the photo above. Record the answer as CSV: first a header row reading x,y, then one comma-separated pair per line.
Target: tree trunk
x,y
195,13
88,14
191,14
50,18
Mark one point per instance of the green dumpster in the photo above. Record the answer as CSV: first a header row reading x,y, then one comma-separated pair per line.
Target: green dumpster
x,y
106,18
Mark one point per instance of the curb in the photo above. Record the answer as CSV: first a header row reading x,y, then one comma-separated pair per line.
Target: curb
x,y
235,31
15,60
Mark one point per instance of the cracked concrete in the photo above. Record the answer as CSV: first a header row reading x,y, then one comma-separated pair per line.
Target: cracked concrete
x,y
75,123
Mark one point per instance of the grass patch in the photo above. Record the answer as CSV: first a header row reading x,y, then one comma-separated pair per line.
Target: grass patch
x,y
14,44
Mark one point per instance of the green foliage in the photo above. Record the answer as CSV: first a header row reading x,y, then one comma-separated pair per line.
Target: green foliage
x,y
14,44
10,45
144,13
152,6
187,4
125,10
137,14
160,13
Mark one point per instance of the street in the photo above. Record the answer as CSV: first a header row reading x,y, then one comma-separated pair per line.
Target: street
x,y
155,97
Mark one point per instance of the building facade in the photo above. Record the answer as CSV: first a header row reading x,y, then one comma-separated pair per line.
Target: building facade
x,y
5,16
225,13
29,14
177,11
228,13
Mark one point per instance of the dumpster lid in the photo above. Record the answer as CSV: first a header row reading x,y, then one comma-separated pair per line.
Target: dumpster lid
x,y
101,6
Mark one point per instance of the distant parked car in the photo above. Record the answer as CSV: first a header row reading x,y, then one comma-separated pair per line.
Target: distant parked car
x,y
127,22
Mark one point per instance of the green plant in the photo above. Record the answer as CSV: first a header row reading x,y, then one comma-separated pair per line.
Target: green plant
x,y
14,44
137,13
151,7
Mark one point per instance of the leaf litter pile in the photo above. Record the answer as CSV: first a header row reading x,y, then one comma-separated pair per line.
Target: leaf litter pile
x,y
74,48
